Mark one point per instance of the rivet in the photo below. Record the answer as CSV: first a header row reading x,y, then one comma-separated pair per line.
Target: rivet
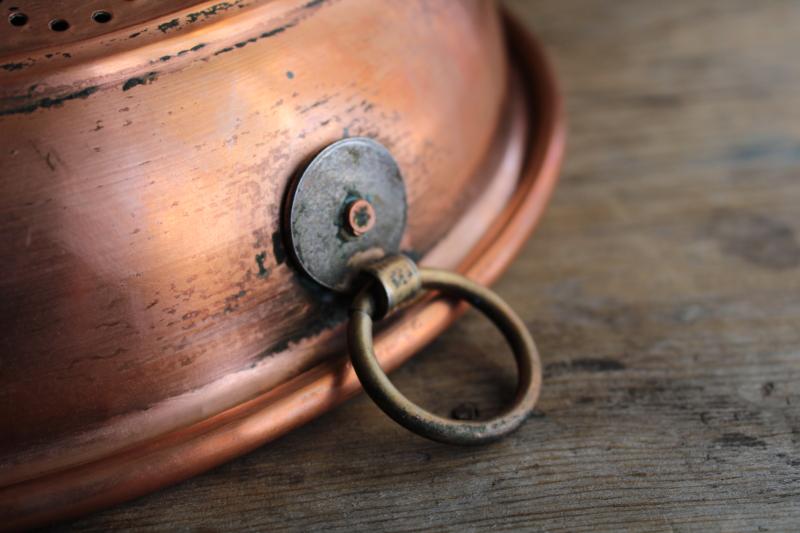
x,y
360,217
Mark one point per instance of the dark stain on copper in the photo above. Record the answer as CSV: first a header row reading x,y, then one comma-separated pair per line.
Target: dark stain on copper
x,y
191,315
211,11
194,48
276,31
263,271
150,77
236,296
167,57
166,26
48,102
321,101
14,66
264,35
52,55
230,301
242,44
332,312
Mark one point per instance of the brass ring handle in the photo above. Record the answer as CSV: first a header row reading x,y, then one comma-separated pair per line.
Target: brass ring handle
x,y
400,281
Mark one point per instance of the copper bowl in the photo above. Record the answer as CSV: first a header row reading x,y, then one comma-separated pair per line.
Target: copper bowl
x,y
152,326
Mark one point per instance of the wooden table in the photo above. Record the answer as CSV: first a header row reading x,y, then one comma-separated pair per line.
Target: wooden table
x,y
663,289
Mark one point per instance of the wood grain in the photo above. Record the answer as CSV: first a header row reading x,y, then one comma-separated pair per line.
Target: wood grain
x,y
663,289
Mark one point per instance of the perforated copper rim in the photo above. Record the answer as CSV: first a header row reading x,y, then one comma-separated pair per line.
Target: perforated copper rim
x,y
35,24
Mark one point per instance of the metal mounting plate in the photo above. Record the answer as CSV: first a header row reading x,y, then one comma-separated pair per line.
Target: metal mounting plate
x,y
319,207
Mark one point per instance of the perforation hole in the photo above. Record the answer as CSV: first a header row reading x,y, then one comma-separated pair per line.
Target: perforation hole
x,y
18,19
59,25
101,17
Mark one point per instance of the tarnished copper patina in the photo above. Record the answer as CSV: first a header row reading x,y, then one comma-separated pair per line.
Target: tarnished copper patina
x,y
152,323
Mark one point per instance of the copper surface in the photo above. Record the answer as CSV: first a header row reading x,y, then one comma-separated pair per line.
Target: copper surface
x,y
145,284
151,326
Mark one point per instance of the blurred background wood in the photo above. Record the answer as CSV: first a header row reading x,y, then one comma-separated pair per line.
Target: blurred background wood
x,y
663,289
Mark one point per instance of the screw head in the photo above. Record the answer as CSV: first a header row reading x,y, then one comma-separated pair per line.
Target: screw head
x,y
360,217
